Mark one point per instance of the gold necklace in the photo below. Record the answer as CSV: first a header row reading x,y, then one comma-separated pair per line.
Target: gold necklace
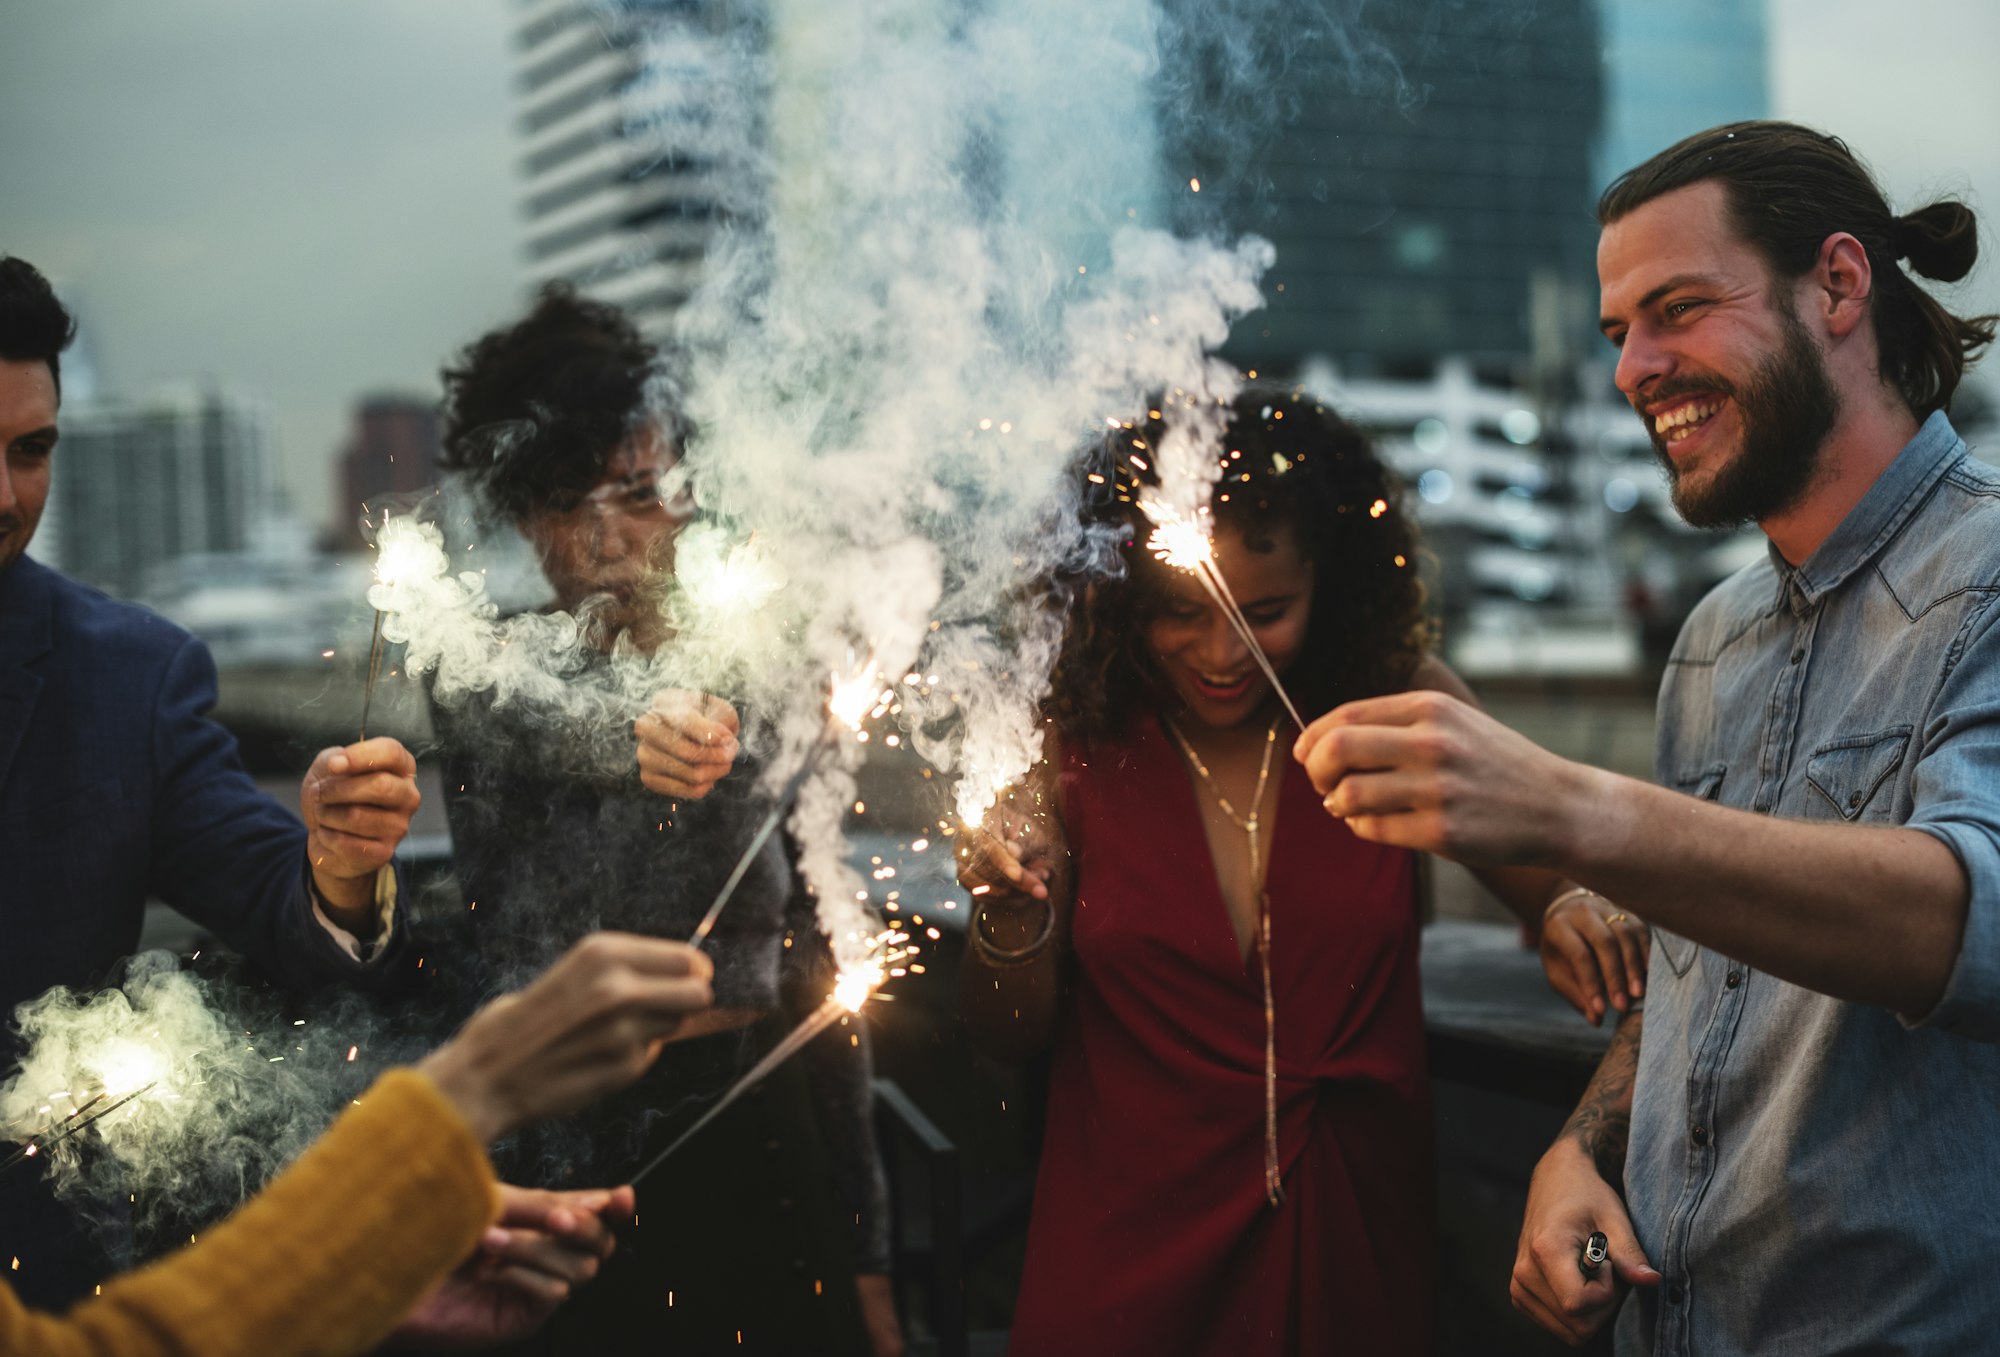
x,y
1247,824
1274,1180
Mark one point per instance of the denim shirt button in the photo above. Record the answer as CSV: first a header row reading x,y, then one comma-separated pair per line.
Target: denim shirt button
x,y
1699,1135
1798,654
1676,1294
1733,979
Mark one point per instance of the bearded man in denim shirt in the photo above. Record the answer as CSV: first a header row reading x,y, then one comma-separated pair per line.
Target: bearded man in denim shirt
x,y
1812,1090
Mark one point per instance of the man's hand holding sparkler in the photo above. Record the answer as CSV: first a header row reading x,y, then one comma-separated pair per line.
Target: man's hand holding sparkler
x,y
687,743
1424,770
357,801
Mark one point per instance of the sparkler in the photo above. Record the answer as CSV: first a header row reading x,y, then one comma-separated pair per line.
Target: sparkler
x,y
374,668
396,555
722,577
850,703
855,985
74,1124
1184,542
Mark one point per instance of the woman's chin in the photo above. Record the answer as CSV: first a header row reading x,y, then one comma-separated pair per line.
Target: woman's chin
x,y
1220,712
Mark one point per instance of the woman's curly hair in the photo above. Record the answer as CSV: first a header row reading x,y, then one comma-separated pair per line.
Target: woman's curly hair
x,y
535,410
1287,461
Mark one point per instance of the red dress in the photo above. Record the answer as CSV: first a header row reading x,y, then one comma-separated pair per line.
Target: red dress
x,y
1151,1234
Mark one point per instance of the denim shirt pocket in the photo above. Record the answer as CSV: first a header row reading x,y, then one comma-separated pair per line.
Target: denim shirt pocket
x,y
1707,785
1849,771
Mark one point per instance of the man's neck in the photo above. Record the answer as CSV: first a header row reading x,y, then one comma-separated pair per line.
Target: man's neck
x,y
1855,455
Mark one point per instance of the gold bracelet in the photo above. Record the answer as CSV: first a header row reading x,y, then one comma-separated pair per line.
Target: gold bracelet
x,y
1000,958
1566,897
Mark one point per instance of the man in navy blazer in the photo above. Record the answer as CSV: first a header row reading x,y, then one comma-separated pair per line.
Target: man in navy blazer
x,y
116,787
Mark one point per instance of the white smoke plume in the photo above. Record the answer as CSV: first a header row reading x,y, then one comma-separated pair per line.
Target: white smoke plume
x,y
945,268
213,1103
944,278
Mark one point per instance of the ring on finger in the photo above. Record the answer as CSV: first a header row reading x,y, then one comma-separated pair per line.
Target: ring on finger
x,y
1620,917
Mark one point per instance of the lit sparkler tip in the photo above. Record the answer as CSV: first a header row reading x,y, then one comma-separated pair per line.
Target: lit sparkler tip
x,y
1181,542
857,981
401,549
725,577
854,697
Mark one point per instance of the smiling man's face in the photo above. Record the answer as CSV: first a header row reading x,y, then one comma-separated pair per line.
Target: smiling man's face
x,y
1713,356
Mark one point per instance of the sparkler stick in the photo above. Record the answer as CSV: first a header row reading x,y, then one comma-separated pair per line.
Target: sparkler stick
x,y
1184,543
849,702
71,1126
822,1018
374,668
854,986
788,794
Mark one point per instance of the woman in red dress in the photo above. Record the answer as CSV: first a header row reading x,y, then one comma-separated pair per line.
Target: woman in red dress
x,y
1238,1149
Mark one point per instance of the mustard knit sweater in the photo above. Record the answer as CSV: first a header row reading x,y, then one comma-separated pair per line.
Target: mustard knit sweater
x,y
322,1263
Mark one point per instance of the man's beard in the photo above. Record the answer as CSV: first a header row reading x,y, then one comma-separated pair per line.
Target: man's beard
x,y
1787,409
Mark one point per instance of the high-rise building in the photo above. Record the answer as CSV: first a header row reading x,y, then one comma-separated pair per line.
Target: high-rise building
x,y
608,205
141,483
81,384
1673,67
392,451
1413,194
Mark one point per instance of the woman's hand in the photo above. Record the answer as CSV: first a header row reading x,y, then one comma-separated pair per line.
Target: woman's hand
x,y
686,743
1002,860
590,1024
1594,954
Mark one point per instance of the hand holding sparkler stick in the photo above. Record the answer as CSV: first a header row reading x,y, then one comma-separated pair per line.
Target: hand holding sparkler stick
x,y
687,742
847,706
356,801
1186,543
590,1024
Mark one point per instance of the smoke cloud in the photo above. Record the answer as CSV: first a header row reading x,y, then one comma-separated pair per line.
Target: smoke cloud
x,y
947,265
218,1091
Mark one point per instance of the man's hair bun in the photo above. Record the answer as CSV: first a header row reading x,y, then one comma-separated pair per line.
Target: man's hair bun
x,y
1940,241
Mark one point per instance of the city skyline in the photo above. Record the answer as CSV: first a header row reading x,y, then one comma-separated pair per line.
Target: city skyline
x,y
312,230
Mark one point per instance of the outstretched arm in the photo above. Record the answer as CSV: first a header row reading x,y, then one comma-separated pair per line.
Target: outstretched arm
x,y
1797,899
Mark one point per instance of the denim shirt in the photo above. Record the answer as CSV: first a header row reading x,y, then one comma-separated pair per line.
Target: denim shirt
x,y
1813,1176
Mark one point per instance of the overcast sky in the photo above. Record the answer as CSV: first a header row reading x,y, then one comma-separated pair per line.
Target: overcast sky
x,y
306,200
309,200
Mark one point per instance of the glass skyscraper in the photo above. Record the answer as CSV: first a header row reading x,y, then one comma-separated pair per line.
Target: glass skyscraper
x,y
1673,67
1413,191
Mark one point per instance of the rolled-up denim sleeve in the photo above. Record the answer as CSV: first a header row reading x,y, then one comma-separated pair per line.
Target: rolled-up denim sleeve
x,y
1956,786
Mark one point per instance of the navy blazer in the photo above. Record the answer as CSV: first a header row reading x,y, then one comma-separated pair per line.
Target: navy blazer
x,y
115,786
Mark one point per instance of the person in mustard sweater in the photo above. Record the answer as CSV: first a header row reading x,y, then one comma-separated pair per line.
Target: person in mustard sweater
x,y
331,1257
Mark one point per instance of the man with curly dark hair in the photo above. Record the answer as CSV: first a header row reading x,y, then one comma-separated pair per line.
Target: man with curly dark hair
x,y
1791,1149
1225,982
567,425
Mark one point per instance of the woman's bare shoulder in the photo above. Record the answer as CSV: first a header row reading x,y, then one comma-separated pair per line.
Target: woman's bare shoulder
x,y
1435,675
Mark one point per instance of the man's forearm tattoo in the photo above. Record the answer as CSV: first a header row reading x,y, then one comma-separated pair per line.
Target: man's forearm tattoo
x,y
1602,1122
